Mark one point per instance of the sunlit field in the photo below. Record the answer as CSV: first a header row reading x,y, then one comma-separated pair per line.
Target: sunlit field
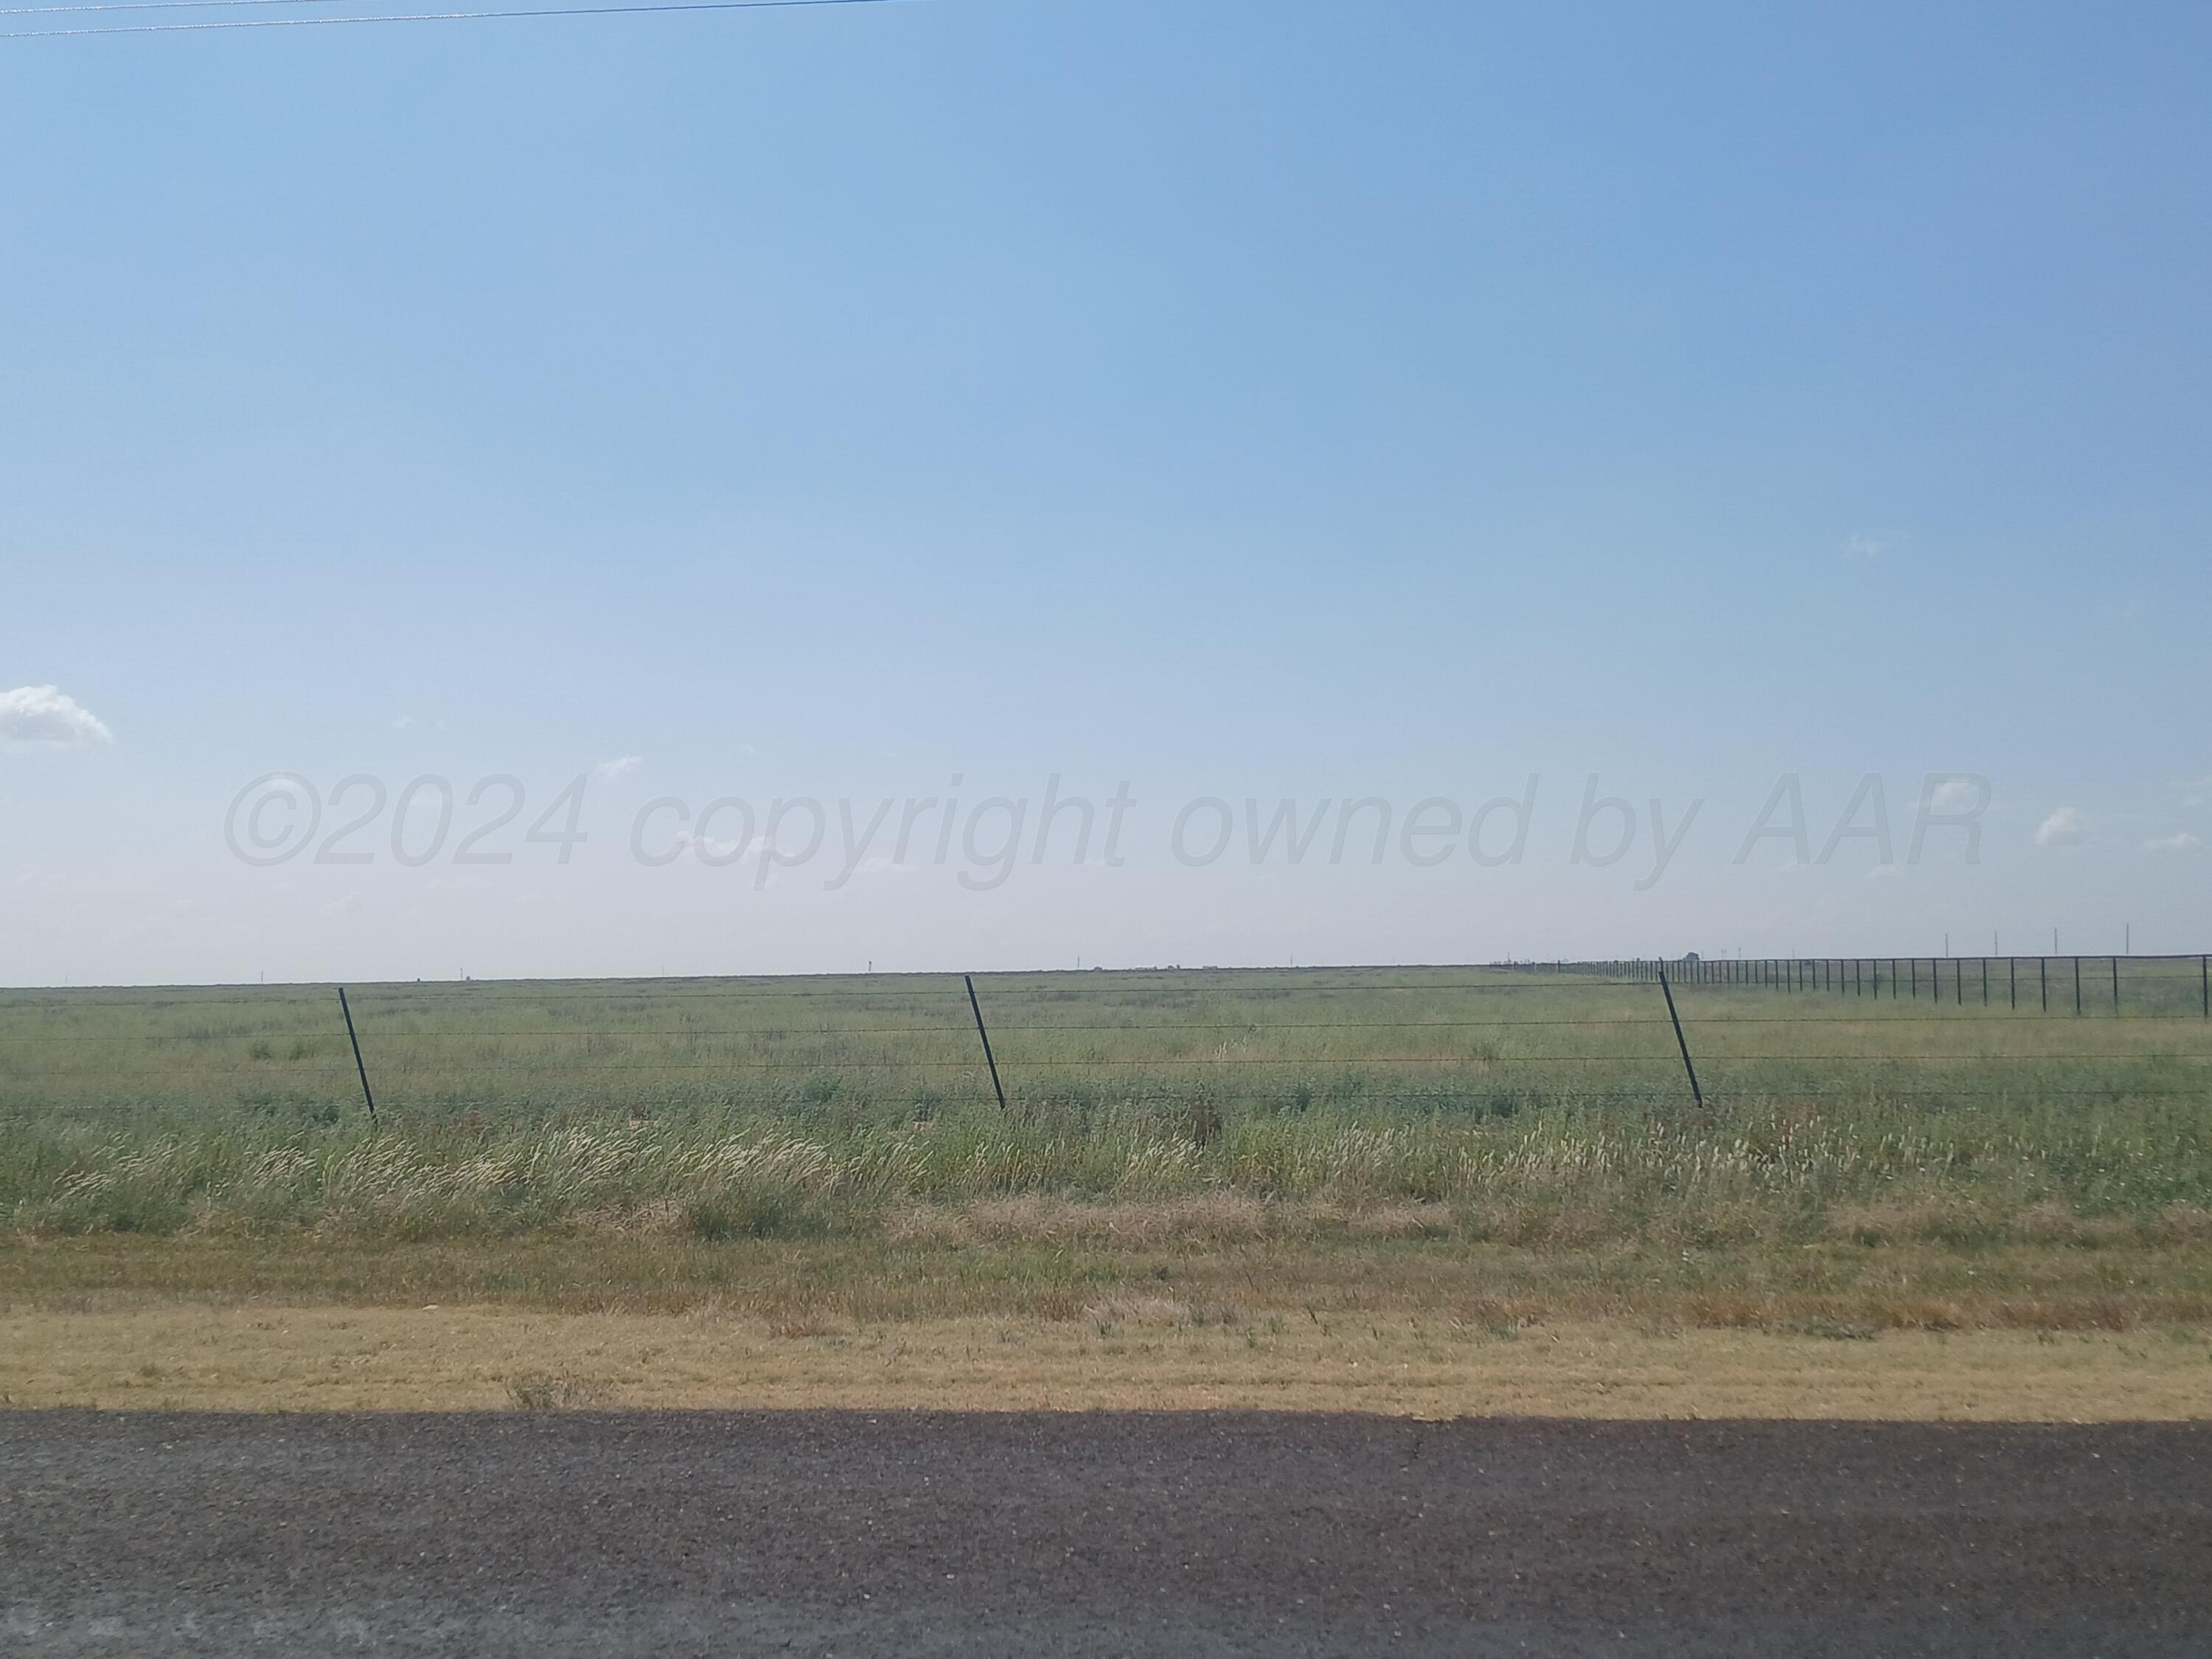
x,y
1524,1102
1490,1148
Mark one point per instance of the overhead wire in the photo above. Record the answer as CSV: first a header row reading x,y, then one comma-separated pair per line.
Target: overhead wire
x,y
367,17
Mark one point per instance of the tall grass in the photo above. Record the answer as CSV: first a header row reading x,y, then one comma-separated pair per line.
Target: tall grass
x,y
1744,1170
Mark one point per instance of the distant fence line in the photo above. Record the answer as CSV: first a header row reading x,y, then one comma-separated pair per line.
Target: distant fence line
x,y
1863,976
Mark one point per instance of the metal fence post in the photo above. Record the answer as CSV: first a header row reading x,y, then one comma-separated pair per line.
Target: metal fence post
x,y
1681,1041
368,1098
989,1058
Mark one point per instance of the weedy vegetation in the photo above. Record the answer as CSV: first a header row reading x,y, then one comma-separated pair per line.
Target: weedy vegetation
x,y
831,1148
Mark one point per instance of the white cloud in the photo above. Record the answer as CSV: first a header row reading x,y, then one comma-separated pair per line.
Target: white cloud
x,y
1873,543
622,767
1958,793
2064,828
2196,793
2180,841
44,713
715,850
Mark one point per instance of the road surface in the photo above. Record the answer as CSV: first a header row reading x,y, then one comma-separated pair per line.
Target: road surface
x,y
564,1534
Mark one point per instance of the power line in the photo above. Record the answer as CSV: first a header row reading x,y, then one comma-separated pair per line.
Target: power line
x,y
151,5
388,17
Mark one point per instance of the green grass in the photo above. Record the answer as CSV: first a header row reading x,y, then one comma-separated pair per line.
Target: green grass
x,y
1522,1107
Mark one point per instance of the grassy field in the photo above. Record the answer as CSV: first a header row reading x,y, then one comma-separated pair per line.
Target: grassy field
x,y
1534,1107
1497,1148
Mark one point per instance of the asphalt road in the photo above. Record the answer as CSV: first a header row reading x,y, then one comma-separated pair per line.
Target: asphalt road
x,y
738,1534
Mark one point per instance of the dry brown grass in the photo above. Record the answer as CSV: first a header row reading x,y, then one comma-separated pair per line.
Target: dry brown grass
x,y
1203,1219
1034,1260
1160,1312
1153,1354
1221,1218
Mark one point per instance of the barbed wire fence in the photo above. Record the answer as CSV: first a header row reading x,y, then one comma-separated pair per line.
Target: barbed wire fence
x,y
1493,1040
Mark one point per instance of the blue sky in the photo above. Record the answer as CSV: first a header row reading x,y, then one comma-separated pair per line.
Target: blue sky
x,y
1246,401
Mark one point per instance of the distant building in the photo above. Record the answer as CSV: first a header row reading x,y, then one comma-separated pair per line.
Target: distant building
x,y
1689,955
